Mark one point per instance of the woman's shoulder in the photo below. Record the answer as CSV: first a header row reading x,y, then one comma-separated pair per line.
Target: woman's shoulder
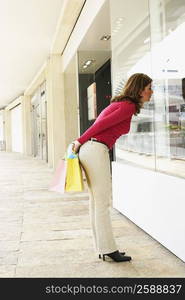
x,y
124,105
128,104
126,101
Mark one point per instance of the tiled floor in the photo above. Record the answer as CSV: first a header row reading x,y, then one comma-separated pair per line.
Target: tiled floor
x,y
45,234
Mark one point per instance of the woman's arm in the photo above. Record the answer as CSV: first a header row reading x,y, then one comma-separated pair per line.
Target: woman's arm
x,y
76,146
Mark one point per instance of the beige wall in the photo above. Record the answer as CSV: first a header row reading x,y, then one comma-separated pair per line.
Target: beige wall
x,y
7,127
26,123
62,116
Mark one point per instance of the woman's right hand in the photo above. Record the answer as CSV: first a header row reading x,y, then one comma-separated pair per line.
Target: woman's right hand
x,y
76,146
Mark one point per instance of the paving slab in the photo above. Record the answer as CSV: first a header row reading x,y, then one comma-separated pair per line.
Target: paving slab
x,y
48,234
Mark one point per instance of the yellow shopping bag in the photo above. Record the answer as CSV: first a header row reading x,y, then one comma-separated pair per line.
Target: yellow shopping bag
x,y
74,178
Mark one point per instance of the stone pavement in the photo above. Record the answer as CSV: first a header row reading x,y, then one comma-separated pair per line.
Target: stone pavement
x,y
46,234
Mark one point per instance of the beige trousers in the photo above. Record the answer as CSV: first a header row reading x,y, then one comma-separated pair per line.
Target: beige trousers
x,y
94,158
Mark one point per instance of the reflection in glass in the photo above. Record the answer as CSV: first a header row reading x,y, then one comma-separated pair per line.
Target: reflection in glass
x,y
131,54
168,68
152,44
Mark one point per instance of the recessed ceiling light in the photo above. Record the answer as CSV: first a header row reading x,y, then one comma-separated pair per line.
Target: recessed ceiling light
x,y
88,62
146,40
105,37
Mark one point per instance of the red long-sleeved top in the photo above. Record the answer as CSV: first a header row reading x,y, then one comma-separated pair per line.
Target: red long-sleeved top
x,y
111,123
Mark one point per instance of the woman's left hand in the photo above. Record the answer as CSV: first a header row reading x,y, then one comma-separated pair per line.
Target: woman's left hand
x,y
76,146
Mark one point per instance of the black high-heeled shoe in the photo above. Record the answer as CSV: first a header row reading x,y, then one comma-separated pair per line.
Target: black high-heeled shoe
x,y
100,255
117,256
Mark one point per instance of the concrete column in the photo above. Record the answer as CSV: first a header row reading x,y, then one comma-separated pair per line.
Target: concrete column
x,y
62,114
55,110
2,130
27,132
7,127
71,100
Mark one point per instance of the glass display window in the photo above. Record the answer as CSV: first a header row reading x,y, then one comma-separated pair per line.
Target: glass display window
x,y
131,54
152,44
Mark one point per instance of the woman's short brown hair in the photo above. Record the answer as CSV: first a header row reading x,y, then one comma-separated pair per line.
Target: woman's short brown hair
x,y
132,89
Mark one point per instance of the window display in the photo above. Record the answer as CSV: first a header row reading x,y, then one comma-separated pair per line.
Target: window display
x,y
152,44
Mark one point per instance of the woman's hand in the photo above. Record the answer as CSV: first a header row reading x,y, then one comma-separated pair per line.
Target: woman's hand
x,y
76,146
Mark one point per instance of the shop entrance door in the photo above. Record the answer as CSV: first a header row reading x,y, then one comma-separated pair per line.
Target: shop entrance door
x,y
39,124
44,148
36,117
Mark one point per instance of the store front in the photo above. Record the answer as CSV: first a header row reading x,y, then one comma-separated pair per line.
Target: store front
x,y
39,124
151,158
152,45
149,163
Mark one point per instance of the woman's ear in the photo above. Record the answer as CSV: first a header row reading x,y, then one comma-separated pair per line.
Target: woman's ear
x,y
141,93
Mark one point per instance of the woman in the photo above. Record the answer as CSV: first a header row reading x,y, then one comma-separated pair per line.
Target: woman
x,y
93,147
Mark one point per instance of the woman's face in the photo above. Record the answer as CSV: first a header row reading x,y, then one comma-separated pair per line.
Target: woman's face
x,y
146,93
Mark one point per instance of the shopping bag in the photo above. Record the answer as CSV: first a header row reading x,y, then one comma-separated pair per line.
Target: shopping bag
x,y
59,179
74,177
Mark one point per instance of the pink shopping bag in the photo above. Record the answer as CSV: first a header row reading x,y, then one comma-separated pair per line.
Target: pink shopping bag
x,y
59,179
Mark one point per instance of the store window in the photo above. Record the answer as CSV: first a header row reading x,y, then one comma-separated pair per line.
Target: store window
x,y
130,35
168,68
152,44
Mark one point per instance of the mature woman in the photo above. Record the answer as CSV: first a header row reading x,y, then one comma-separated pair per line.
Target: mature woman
x,y
93,147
